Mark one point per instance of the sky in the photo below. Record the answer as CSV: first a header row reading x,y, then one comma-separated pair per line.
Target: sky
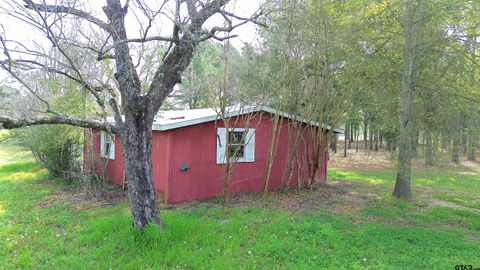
x,y
14,29
20,31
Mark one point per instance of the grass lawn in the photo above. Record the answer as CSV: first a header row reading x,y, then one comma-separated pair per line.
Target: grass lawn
x,y
9,150
438,230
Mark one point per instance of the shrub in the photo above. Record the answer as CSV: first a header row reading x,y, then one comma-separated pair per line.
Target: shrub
x,y
57,147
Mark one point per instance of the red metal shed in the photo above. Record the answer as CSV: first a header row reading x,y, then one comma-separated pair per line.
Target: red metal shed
x,y
188,152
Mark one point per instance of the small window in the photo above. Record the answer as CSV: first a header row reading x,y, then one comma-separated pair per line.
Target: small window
x,y
107,146
236,146
240,146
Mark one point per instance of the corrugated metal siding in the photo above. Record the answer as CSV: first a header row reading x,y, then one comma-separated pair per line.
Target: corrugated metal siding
x,y
114,168
160,154
195,147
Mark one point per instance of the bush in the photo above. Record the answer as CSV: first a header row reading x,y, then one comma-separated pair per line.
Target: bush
x,y
57,147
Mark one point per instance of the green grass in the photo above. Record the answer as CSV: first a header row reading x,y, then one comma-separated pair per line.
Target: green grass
x,y
388,234
10,150
450,180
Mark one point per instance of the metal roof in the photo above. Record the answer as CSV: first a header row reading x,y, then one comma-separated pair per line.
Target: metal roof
x,y
166,120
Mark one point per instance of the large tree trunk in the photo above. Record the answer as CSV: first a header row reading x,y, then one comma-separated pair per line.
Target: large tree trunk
x,y
410,62
137,149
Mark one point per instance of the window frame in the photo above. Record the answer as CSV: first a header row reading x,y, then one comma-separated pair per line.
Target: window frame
x,y
107,141
248,145
243,143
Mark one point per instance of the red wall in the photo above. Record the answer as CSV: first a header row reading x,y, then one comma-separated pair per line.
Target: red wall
x,y
115,167
195,147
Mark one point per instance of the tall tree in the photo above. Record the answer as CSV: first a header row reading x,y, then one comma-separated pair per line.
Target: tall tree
x,y
415,12
134,96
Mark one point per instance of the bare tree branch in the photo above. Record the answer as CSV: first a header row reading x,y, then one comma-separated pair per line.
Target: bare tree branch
x,y
11,123
177,59
68,10
133,40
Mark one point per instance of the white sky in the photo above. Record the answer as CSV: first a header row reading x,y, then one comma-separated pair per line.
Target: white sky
x,y
15,29
20,31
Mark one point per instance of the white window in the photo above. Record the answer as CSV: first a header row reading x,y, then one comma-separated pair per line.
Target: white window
x,y
241,146
107,145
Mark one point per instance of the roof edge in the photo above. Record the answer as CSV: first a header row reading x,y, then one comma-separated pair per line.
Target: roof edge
x,y
205,119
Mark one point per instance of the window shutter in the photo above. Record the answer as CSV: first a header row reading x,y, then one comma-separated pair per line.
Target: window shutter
x,y
221,145
102,143
112,147
250,145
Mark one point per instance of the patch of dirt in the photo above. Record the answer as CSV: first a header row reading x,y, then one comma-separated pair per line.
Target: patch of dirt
x,y
79,199
472,166
335,196
382,159
364,159
54,199
432,202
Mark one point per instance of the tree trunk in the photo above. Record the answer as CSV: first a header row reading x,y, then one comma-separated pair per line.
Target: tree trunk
x,y
464,135
365,133
456,142
370,138
292,154
351,132
319,154
428,148
272,150
333,143
472,146
356,139
456,150
472,134
457,139
347,136
410,62
136,137
415,138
